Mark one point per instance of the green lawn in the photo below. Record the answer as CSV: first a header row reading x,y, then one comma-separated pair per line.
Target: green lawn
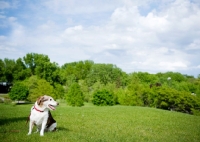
x,y
102,124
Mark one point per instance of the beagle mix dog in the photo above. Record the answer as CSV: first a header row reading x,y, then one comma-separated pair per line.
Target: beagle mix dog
x,y
41,115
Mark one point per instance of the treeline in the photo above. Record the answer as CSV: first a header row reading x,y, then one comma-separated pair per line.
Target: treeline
x,y
102,84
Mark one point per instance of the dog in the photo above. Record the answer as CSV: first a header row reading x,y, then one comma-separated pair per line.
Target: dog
x,y
41,116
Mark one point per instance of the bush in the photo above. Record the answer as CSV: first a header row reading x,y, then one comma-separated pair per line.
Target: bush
x,y
103,98
171,99
38,87
75,96
59,91
125,97
19,92
133,95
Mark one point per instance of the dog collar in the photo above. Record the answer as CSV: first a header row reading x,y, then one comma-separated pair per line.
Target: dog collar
x,y
37,109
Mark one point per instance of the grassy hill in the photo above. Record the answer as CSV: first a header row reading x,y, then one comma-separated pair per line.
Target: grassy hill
x,y
102,124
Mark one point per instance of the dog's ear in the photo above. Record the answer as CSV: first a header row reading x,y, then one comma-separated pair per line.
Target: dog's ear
x,y
41,99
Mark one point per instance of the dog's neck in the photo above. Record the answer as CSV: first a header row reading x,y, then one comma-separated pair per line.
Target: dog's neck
x,y
37,109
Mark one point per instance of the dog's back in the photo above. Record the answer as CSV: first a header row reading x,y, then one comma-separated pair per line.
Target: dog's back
x,y
51,123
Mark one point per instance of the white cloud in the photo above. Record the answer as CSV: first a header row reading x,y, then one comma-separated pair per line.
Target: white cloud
x,y
4,5
172,65
74,29
81,7
194,45
156,41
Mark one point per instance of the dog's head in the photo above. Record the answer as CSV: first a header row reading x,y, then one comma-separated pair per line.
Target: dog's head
x,y
47,102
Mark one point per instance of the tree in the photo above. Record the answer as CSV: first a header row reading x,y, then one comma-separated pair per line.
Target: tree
x,y
133,94
20,71
34,60
9,69
78,69
103,98
39,87
70,79
30,62
48,71
105,73
19,92
170,99
144,77
2,71
175,76
58,91
86,91
40,65
75,96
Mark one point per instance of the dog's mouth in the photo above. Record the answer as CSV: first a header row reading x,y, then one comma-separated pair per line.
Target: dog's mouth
x,y
52,107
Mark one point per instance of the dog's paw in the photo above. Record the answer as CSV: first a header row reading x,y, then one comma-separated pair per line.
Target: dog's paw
x,y
28,134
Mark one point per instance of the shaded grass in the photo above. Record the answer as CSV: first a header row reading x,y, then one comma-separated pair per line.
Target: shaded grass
x,y
106,124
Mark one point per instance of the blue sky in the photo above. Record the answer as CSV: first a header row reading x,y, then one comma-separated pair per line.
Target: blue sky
x,y
149,36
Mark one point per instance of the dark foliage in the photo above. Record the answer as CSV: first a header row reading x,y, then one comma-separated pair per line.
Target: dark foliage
x,y
103,98
19,92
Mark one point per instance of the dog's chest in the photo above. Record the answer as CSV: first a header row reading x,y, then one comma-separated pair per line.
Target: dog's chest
x,y
39,117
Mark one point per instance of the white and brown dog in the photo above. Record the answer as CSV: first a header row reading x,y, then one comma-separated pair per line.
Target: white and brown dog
x,y
41,115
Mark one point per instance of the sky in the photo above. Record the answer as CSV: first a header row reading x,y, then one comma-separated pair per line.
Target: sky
x,y
148,36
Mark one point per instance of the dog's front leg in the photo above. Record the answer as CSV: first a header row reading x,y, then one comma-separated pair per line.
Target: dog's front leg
x,y
43,127
31,124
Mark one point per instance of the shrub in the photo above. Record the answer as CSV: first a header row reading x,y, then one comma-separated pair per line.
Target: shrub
x,y
171,99
38,87
103,98
19,92
75,96
133,95
85,89
125,97
59,91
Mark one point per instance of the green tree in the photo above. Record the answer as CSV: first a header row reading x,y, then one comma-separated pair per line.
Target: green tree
x,y
38,87
30,62
170,99
70,79
86,91
40,65
175,76
103,98
9,69
48,71
19,92
143,77
2,71
97,86
59,91
34,60
74,95
77,69
135,92
20,71
105,73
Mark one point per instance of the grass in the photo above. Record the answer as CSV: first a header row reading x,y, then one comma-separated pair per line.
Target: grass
x,y
102,124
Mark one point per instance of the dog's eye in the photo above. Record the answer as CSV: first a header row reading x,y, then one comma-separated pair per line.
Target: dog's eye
x,y
50,99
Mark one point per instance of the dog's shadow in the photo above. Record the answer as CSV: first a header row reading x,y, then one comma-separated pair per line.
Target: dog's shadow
x,y
62,129
4,121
